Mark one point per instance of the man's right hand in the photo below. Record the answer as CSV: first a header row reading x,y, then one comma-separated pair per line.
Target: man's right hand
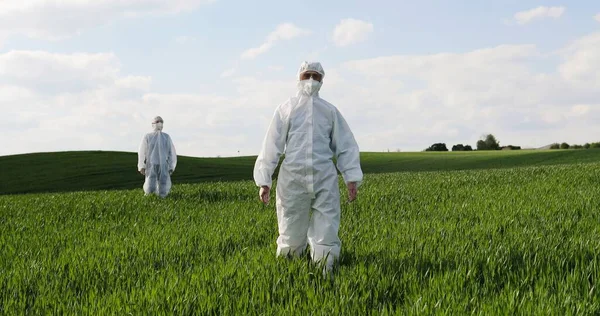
x,y
143,171
264,194
352,191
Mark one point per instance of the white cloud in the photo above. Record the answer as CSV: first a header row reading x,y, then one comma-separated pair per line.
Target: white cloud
x,y
52,20
351,31
3,36
184,39
582,60
580,109
56,102
40,64
134,83
275,68
228,73
597,17
454,97
538,13
48,72
283,32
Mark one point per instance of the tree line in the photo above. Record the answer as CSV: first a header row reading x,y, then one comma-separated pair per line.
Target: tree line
x,y
489,142
567,146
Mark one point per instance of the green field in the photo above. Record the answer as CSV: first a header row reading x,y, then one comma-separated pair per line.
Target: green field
x,y
451,233
100,170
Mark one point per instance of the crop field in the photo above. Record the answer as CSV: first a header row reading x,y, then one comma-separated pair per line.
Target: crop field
x,y
503,233
101,170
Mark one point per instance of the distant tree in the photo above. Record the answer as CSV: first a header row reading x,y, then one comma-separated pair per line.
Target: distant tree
x,y
437,147
461,147
555,146
595,145
458,147
481,145
489,142
586,145
564,146
511,147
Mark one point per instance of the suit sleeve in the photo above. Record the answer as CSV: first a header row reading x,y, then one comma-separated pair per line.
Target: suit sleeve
x,y
142,153
272,148
346,150
172,155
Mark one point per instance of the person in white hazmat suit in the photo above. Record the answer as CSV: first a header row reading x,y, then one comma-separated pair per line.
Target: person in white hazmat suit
x,y
311,132
157,160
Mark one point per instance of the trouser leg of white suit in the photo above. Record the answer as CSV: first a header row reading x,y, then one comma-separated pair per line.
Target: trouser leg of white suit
x,y
324,226
151,180
293,213
164,184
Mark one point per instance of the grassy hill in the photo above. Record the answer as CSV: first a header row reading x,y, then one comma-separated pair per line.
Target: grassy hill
x,y
505,241
101,170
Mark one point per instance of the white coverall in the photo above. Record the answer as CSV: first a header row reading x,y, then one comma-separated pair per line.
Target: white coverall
x,y
312,132
157,155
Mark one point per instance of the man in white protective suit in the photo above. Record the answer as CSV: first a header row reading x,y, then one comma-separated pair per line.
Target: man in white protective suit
x,y
312,132
157,160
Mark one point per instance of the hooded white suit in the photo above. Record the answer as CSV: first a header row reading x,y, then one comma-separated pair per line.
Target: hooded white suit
x,y
157,155
312,132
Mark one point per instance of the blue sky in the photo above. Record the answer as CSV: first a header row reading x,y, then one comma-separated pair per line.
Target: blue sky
x,y
92,74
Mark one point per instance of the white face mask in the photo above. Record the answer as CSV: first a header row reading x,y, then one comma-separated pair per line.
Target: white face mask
x,y
310,86
157,126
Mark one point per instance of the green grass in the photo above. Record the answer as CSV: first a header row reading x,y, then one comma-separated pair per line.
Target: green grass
x,y
501,241
444,161
520,238
101,170
84,171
